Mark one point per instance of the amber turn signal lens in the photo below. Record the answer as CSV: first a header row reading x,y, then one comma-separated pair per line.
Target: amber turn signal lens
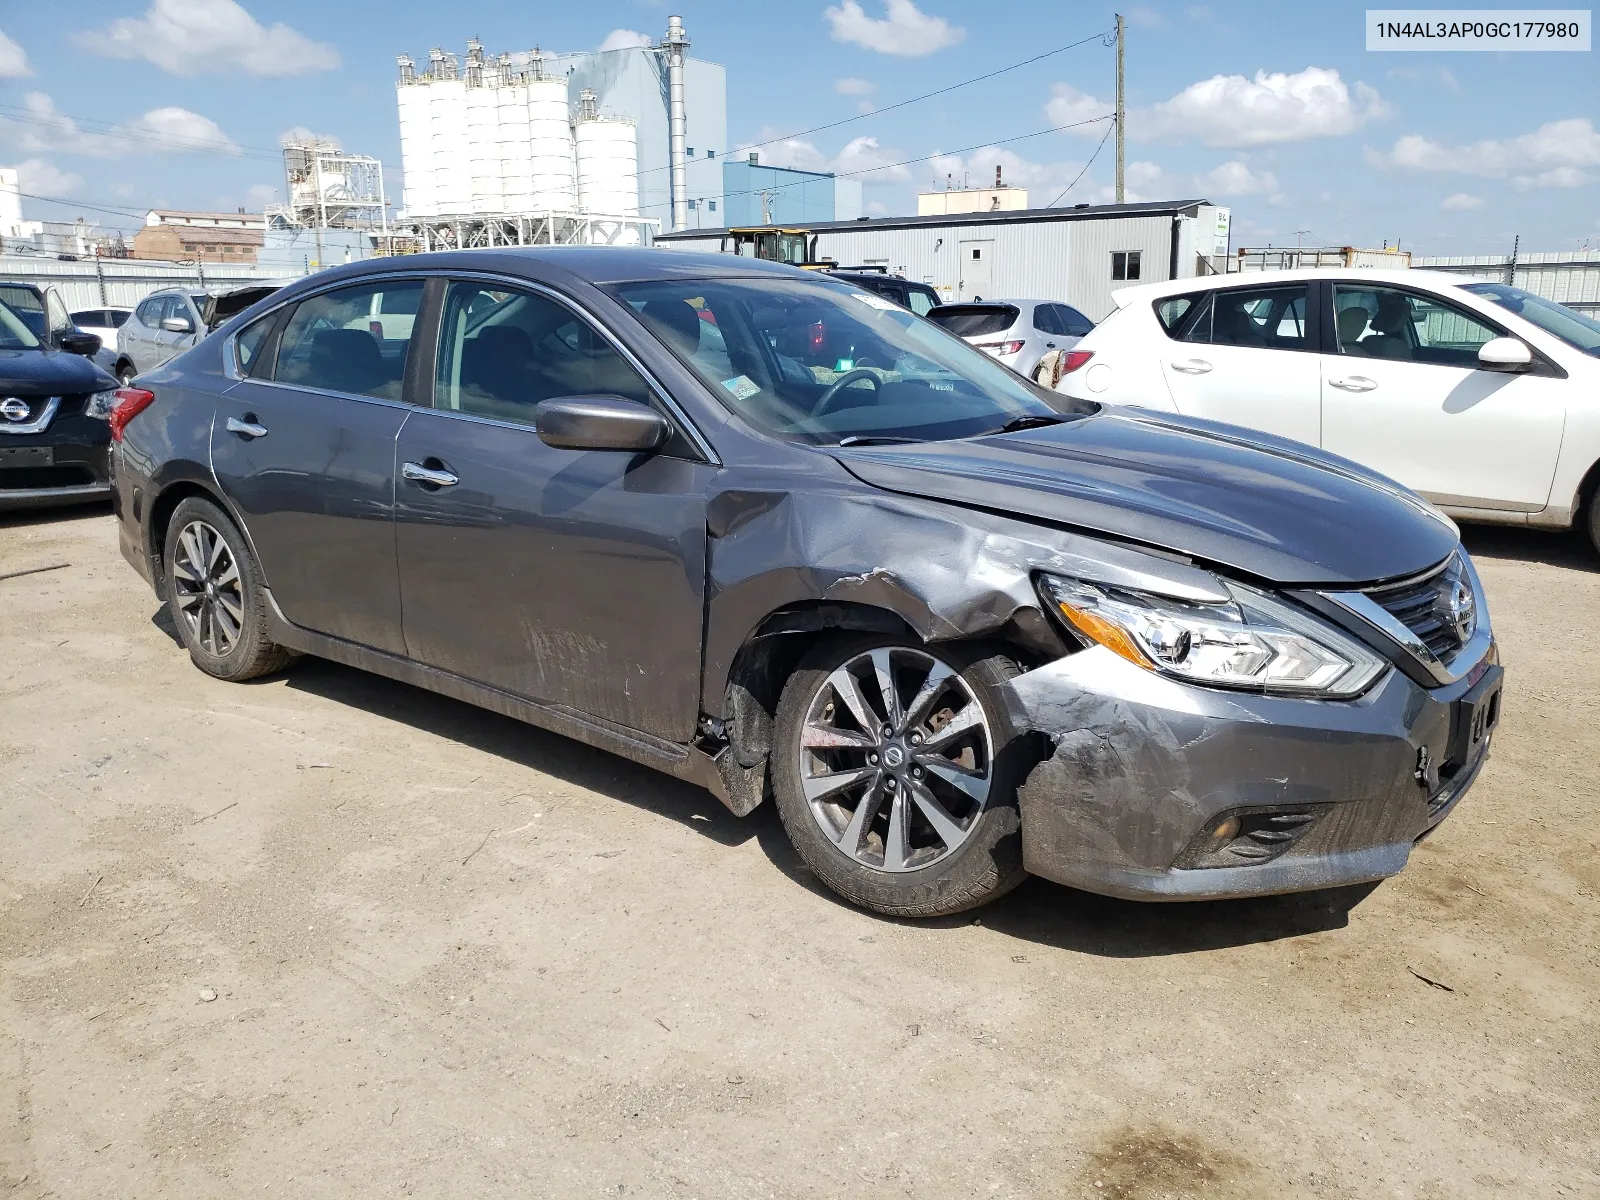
x,y
1104,633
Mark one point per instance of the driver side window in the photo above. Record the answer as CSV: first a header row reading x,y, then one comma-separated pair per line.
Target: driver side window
x,y
502,351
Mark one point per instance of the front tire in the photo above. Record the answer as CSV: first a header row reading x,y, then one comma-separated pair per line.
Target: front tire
x,y
1594,520
895,772
215,595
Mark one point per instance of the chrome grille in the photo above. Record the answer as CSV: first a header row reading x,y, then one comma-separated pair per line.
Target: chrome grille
x,y
1432,607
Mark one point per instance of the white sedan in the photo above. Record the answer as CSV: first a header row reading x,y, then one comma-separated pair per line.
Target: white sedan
x,y
1482,397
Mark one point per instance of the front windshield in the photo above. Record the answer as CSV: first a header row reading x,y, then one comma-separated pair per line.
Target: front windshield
x,y
818,362
1573,328
15,333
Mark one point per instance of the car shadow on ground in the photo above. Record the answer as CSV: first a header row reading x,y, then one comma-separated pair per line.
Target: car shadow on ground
x,y
1039,911
504,737
22,517
1569,548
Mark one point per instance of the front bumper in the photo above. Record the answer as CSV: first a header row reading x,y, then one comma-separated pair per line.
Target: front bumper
x,y
69,463
1143,769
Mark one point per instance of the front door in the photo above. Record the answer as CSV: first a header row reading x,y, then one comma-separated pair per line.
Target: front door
x,y
304,450
568,577
977,257
1247,356
1404,394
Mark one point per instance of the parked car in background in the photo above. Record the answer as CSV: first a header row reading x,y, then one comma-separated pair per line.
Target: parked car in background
x,y
1482,397
636,497
920,298
54,406
103,323
168,322
1017,332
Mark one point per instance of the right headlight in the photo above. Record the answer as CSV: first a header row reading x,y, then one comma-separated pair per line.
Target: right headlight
x,y
1256,642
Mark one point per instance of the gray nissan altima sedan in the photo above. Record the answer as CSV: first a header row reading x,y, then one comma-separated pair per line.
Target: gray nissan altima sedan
x,y
773,534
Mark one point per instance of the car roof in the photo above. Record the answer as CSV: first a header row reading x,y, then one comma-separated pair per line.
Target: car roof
x,y
594,264
1178,287
987,302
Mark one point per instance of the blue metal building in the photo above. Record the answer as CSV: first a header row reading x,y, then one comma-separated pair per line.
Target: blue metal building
x,y
756,194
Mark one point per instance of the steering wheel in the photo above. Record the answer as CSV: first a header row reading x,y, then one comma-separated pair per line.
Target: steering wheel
x,y
825,401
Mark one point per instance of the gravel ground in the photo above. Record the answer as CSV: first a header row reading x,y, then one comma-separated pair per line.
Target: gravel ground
x,y
328,935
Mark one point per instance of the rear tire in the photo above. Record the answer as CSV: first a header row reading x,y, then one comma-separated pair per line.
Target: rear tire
x,y
216,596
1594,520
928,824
124,374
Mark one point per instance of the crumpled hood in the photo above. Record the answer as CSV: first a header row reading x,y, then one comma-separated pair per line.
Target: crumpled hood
x,y
49,373
1262,505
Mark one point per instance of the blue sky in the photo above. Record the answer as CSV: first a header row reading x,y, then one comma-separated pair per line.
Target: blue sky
x,y
1276,110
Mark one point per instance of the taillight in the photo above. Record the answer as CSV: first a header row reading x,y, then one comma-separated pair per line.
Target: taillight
x,y
1073,359
1001,347
130,403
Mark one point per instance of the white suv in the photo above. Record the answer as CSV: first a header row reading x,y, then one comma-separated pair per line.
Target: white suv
x,y
1482,397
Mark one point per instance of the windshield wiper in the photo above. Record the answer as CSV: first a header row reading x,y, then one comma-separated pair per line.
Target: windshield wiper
x,y
1032,421
876,439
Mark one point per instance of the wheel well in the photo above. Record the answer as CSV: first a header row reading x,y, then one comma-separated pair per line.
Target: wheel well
x,y
161,518
1586,494
763,665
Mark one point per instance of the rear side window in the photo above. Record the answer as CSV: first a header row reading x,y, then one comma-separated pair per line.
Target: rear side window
x,y
1264,318
250,343
1073,322
1045,320
1171,311
338,342
118,317
89,316
975,320
922,302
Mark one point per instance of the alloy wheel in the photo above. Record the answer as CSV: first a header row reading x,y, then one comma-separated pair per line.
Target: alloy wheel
x,y
896,759
209,591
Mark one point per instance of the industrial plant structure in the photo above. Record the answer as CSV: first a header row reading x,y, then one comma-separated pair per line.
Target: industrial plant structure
x,y
536,147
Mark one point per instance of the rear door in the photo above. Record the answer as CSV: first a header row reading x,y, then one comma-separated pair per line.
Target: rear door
x,y
569,577
1247,355
304,449
1403,393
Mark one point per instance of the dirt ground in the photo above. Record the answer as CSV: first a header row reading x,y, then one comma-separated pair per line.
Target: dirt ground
x,y
328,935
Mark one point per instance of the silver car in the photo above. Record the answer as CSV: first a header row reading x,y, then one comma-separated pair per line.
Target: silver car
x,y
164,325
1017,332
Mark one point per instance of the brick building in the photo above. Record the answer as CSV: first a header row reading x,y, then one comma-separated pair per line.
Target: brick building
x,y
213,237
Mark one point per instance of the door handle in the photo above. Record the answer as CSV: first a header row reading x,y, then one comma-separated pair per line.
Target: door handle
x,y
1356,383
1050,345
428,476
247,428
1192,366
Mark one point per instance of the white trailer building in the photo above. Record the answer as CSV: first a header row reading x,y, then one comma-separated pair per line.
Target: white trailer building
x,y
1077,255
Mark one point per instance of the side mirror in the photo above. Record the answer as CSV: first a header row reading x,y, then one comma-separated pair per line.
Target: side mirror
x,y
177,324
75,341
600,423
1505,354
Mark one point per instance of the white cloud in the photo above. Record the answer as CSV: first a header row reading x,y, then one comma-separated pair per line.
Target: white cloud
x,y
42,178
179,129
1145,18
13,59
1235,179
161,130
1230,110
907,30
261,195
195,37
854,87
1554,155
1068,106
1460,202
862,158
624,39
877,208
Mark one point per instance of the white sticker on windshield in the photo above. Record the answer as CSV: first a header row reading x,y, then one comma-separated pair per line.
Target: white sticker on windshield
x,y
742,387
872,300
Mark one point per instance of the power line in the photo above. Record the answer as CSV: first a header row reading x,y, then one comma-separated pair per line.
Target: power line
x,y
1109,128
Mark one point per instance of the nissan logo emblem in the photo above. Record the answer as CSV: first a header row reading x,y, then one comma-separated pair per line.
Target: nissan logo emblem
x,y
1463,610
13,409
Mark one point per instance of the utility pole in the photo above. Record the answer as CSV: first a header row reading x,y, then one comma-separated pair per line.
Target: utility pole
x,y
1121,37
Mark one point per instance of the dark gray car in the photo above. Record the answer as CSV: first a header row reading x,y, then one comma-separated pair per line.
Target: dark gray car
x,y
779,536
